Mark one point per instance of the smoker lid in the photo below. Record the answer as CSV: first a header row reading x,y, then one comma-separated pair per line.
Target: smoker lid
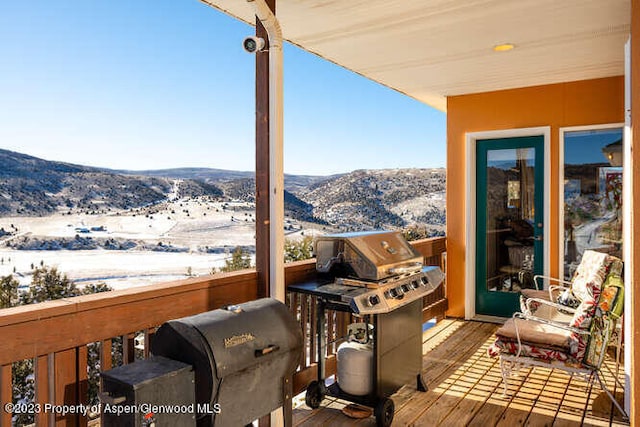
x,y
222,342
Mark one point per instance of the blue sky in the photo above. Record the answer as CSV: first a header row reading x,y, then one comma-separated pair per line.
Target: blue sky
x,y
150,84
584,147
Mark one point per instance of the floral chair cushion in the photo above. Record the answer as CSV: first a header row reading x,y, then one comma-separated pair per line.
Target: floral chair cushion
x,y
587,284
587,280
610,305
529,350
535,333
592,272
538,340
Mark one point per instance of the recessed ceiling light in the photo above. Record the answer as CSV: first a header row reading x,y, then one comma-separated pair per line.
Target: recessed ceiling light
x,y
503,47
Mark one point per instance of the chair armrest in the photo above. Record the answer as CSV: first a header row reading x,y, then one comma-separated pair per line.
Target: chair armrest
x,y
541,301
556,288
538,277
527,317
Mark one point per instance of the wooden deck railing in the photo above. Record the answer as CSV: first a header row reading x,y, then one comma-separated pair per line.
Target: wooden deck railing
x,y
64,341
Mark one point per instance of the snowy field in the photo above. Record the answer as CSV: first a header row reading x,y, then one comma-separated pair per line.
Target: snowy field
x,y
205,233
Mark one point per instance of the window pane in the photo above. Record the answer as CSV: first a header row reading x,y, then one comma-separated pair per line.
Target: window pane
x,y
592,194
510,218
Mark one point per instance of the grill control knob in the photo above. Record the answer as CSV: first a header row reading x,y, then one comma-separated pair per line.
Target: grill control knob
x,y
374,300
405,288
399,291
393,293
414,284
424,281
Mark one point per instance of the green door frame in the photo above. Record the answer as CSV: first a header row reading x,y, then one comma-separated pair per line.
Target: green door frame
x,y
496,303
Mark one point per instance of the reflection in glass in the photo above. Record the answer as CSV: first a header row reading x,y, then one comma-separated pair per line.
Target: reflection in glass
x,y
592,194
510,219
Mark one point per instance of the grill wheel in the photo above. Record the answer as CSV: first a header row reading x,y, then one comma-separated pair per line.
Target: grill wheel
x,y
384,412
315,393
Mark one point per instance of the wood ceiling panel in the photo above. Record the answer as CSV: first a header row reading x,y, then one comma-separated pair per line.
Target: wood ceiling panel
x,y
429,49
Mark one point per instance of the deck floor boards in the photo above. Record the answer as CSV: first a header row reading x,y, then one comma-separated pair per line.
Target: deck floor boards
x,y
465,389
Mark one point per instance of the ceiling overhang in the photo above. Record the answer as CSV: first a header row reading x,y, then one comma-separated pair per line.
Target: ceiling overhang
x,y
430,50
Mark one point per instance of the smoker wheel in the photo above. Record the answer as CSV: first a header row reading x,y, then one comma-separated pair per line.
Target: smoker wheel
x,y
315,393
384,412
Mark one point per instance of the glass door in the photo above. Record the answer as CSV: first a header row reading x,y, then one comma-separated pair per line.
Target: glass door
x,y
509,221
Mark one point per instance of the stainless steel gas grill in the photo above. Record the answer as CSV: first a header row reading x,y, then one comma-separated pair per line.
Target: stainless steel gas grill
x,y
378,276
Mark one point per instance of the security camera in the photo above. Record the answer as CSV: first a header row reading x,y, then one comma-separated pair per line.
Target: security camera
x,y
253,44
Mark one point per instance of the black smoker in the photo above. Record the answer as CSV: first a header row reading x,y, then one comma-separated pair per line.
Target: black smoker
x,y
380,277
243,357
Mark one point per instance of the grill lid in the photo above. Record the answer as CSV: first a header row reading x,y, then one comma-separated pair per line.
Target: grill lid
x,y
370,255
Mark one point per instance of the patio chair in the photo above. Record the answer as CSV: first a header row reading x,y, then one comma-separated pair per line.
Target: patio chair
x,y
577,347
563,297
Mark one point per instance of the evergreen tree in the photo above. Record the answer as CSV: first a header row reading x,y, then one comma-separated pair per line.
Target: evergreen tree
x,y
239,261
23,389
8,291
49,284
94,288
298,250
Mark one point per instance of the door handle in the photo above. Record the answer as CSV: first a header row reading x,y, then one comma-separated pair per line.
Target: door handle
x,y
538,238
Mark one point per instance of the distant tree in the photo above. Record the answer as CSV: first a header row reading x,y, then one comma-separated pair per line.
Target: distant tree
x,y
239,261
23,389
8,291
94,288
298,250
416,232
49,284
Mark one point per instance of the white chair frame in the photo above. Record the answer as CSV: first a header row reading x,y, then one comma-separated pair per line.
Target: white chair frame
x,y
510,364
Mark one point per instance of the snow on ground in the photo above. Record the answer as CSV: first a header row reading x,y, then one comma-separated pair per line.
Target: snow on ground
x,y
193,224
412,209
112,267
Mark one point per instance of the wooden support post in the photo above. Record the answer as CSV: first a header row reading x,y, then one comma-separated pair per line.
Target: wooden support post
x,y
128,349
263,236
105,355
6,394
263,259
148,336
82,382
106,362
66,386
42,387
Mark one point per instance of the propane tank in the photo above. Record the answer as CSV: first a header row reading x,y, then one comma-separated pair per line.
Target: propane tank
x,y
355,360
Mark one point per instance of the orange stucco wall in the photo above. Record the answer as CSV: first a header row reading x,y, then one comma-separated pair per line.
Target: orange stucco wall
x,y
588,102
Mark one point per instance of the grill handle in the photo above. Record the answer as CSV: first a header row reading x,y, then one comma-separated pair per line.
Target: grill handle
x,y
268,349
406,268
